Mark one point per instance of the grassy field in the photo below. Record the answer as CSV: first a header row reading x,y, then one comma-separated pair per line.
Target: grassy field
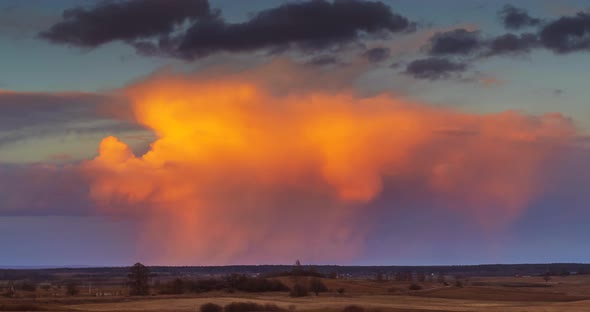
x,y
570,293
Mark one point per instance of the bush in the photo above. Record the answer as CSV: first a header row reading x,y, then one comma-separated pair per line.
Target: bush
x,y
175,287
254,284
250,307
27,286
340,290
205,285
211,307
317,286
298,290
353,308
459,284
72,289
415,287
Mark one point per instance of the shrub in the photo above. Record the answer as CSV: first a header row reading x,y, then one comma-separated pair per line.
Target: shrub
x,y
175,287
298,290
27,286
340,290
250,307
317,286
205,285
459,284
72,289
353,308
415,287
211,307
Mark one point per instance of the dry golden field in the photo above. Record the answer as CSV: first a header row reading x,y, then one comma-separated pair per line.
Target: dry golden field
x,y
570,293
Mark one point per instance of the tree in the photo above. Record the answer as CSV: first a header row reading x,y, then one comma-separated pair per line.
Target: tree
x,y
72,289
297,269
298,290
138,280
317,286
547,277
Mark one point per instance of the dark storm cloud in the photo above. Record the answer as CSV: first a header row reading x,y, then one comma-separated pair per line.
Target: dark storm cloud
x,y
307,25
378,54
434,68
458,41
512,44
123,20
567,34
464,43
516,18
150,26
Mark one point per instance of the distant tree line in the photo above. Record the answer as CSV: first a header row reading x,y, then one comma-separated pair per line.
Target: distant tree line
x,y
232,282
39,275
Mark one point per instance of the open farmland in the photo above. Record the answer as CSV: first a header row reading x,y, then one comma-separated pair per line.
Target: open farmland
x,y
560,293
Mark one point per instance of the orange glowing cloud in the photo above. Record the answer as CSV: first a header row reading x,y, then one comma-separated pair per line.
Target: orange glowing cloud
x,y
241,173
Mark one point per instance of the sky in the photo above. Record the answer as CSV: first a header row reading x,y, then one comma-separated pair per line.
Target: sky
x,y
195,132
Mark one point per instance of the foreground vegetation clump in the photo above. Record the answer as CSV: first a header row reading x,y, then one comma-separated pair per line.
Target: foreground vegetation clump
x,y
251,307
353,308
415,287
21,307
211,307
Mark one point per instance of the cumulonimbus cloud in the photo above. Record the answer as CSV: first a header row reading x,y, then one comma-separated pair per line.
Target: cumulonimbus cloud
x,y
242,173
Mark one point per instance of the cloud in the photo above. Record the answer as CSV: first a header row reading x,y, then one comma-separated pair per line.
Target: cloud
x,y
25,115
516,18
309,25
471,45
123,20
567,34
433,68
377,54
323,60
512,44
457,41
267,176
24,109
